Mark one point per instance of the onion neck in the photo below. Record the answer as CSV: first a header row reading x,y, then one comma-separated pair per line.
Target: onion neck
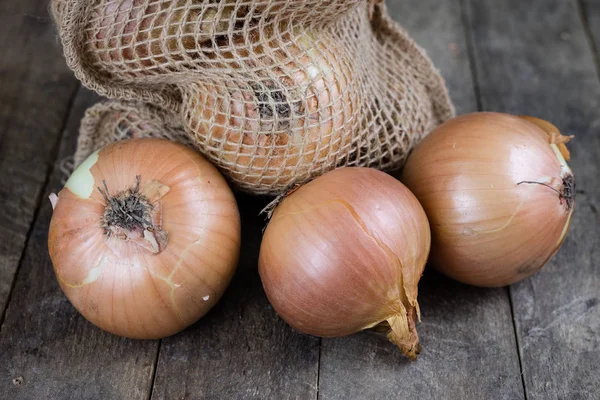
x,y
403,333
554,136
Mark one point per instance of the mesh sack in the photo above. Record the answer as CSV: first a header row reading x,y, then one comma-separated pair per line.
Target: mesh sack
x,y
112,121
274,92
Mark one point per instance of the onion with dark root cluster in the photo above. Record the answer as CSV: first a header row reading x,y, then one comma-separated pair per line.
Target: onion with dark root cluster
x,y
144,238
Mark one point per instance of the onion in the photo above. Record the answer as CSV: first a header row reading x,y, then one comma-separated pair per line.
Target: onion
x,y
135,37
293,115
344,253
498,193
144,238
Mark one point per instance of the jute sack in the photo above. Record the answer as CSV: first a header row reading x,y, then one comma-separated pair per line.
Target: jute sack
x,y
274,92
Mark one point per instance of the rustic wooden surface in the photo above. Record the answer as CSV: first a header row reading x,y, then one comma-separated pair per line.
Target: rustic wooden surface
x,y
47,351
466,332
549,72
35,94
539,339
241,349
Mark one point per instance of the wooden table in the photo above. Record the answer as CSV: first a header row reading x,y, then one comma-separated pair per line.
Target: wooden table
x,y
539,339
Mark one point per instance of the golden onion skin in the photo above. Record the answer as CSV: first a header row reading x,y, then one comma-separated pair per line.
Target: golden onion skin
x,y
122,285
344,253
498,194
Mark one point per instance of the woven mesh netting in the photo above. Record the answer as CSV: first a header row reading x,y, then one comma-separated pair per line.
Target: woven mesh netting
x,y
108,122
274,92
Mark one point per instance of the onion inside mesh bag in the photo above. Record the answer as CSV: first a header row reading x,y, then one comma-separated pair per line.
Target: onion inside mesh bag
x,y
274,92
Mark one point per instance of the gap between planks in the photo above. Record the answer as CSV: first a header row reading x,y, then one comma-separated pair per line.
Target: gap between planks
x,y
154,369
319,366
517,340
55,149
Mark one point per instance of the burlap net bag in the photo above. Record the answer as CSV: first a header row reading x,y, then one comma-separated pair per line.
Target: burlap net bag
x,y
274,92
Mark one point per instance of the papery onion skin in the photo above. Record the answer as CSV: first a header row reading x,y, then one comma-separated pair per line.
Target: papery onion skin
x,y
345,252
122,287
498,193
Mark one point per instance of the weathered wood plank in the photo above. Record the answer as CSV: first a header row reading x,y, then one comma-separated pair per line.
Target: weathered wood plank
x,y
438,28
533,58
469,348
241,349
35,90
47,350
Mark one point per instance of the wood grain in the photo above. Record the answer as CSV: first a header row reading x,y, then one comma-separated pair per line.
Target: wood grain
x,y
241,349
535,59
35,91
47,350
467,334
437,26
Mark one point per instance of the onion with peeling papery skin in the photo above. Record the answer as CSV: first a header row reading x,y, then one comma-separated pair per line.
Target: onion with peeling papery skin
x,y
498,193
144,238
344,253
296,114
